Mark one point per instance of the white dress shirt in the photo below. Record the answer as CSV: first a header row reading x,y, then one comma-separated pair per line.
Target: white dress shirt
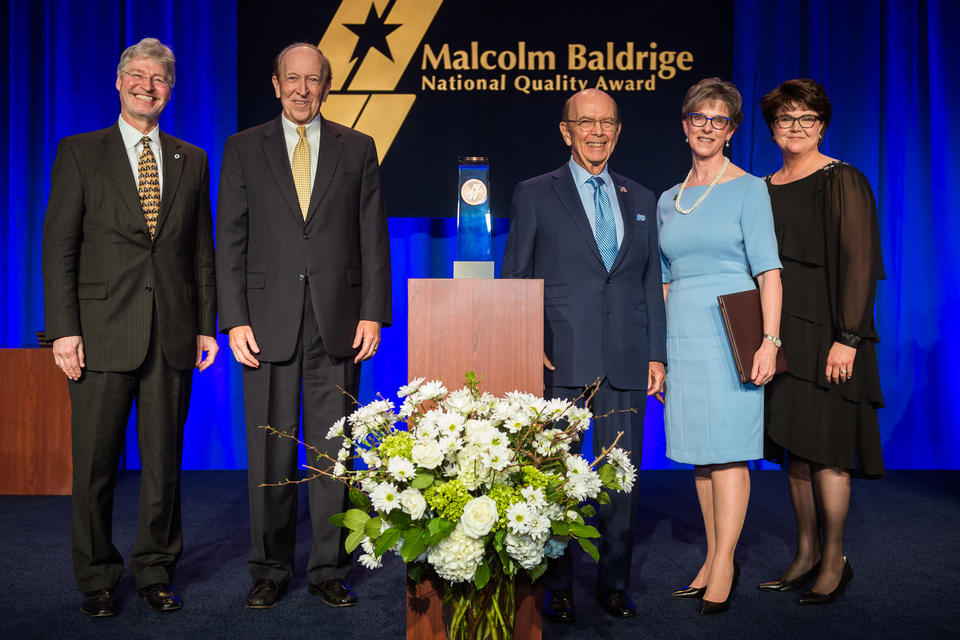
x,y
131,142
291,137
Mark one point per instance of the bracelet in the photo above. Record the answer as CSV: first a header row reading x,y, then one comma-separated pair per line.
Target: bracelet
x,y
774,339
848,339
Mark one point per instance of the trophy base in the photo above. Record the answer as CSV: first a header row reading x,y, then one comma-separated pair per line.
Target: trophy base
x,y
473,269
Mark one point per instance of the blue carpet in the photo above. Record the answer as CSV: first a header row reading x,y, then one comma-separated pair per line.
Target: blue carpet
x,y
902,541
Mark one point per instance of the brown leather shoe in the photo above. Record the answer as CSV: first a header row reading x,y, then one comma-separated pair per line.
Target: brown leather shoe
x,y
335,592
559,606
264,594
99,603
160,597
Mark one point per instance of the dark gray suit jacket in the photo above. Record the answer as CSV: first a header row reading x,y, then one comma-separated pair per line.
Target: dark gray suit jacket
x,y
267,253
102,274
596,324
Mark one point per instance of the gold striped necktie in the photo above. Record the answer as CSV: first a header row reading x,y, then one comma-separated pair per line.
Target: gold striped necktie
x,y
149,180
301,170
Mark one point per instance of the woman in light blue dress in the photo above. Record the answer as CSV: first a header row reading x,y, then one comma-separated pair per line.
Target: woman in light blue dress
x,y
716,237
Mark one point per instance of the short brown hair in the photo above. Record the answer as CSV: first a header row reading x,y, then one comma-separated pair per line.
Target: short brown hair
x,y
710,89
793,94
325,74
153,49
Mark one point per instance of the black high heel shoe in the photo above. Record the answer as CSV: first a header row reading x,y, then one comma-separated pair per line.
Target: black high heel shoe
x,y
689,593
812,597
791,585
708,608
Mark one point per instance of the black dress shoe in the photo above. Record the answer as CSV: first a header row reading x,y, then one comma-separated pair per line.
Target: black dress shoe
x,y
812,597
160,597
691,593
335,592
709,608
264,594
99,603
791,585
559,606
616,602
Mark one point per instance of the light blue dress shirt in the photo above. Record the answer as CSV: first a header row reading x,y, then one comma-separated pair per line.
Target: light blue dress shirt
x,y
585,189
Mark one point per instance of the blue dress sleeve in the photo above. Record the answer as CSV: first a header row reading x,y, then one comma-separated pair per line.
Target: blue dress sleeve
x,y
756,224
664,263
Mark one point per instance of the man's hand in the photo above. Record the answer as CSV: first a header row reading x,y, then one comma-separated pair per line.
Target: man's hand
x,y
208,344
367,340
547,364
656,377
68,355
244,345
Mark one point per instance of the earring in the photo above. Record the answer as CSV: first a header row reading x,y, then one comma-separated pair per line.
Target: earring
x,y
728,144
820,139
687,140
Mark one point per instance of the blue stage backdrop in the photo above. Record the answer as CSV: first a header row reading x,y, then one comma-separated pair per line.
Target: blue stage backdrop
x,y
885,65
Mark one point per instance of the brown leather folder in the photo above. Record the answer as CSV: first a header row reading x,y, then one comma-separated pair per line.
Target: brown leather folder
x,y
743,320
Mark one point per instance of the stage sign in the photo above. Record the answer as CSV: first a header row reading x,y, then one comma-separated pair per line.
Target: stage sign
x,y
433,80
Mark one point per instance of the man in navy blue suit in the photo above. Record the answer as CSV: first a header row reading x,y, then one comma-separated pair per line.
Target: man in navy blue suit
x,y
591,235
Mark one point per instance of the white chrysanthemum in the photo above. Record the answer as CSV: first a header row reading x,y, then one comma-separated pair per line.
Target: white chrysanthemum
x,y
370,458
555,408
409,388
525,550
480,432
479,516
406,409
579,419
626,472
450,446
519,516
336,431
433,390
543,442
460,401
536,407
581,486
474,466
343,453
456,557
576,465
368,559
401,469
534,497
500,457
539,527
413,503
385,497
427,453
450,424
339,469
555,547
484,405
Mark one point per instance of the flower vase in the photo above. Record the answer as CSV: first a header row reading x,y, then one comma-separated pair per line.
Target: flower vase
x,y
481,614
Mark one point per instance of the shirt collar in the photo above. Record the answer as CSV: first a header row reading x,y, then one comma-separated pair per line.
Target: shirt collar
x,y
131,137
292,126
581,175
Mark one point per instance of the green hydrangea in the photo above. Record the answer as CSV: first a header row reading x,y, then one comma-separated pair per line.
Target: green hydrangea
x,y
505,497
398,443
448,499
533,477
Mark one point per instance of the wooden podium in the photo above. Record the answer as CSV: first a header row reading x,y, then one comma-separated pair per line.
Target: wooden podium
x,y
35,450
495,329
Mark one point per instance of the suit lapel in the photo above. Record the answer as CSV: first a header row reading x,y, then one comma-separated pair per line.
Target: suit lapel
x,y
275,151
623,197
172,171
119,162
566,190
328,157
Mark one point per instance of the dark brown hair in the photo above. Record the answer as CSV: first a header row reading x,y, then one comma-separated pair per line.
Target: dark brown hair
x,y
794,94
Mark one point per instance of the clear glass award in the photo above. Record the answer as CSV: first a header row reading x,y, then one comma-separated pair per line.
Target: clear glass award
x,y
474,224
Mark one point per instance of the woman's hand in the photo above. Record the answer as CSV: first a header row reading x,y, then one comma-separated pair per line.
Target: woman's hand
x,y
764,363
840,363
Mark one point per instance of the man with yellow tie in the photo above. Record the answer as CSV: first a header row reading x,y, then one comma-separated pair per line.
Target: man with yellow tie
x,y
129,301
303,262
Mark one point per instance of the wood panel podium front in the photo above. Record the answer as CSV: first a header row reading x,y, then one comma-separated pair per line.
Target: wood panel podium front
x,y
495,329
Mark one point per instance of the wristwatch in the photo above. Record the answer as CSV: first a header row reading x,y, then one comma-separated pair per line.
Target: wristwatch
x,y
774,339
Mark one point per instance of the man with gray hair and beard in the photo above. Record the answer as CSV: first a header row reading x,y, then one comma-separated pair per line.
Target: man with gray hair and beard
x,y
129,300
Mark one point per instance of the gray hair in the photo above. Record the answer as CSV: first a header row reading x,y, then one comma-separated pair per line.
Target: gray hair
x,y
710,89
326,75
150,48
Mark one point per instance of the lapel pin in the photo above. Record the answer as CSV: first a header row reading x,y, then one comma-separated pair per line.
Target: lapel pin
x,y
623,189
641,217
176,156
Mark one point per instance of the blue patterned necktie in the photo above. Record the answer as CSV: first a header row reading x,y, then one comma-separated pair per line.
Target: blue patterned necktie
x,y
605,229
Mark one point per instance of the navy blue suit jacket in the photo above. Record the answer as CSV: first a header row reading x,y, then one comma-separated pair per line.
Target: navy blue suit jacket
x,y
596,324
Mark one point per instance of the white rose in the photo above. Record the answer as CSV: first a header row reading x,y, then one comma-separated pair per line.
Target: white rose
x,y
427,454
479,516
413,503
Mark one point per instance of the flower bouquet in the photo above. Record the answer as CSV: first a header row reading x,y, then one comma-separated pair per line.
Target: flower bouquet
x,y
474,487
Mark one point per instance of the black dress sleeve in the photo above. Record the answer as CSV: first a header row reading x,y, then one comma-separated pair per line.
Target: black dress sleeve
x,y
854,263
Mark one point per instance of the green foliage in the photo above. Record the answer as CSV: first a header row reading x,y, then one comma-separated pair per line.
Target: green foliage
x,y
353,540
608,474
414,543
355,520
588,511
423,480
590,548
482,575
584,531
386,541
337,519
359,499
537,571
603,498
372,528
438,529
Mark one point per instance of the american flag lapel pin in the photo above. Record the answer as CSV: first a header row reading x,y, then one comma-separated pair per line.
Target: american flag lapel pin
x,y
641,217
623,189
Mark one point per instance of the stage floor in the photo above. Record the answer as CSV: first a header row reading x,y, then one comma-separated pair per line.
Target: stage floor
x,y
903,542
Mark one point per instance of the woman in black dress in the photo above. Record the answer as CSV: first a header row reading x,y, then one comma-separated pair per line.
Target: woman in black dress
x,y
821,417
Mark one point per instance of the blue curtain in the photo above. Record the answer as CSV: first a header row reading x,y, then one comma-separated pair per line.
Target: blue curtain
x,y
884,64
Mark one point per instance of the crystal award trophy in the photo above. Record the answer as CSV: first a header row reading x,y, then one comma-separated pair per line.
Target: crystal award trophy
x,y
474,235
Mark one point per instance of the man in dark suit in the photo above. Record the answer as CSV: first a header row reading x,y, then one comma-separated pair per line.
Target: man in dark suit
x,y
591,235
129,294
303,264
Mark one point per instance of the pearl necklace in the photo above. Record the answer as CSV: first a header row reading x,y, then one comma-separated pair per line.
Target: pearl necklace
x,y
676,201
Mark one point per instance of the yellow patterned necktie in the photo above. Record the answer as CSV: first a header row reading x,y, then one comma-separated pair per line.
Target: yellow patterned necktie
x,y
148,179
301,170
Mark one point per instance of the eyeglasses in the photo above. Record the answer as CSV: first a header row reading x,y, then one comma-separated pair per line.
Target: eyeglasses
x,y
586,124
160,81
786,122
717,122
